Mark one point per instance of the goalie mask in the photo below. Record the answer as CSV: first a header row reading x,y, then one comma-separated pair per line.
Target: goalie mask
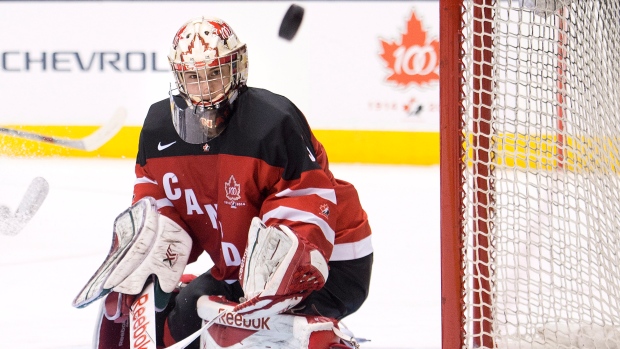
x,y
210,67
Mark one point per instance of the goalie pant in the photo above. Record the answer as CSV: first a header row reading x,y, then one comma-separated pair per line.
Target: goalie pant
x,y
343,294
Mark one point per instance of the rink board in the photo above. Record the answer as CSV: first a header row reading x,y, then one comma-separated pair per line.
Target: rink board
x,y
343,146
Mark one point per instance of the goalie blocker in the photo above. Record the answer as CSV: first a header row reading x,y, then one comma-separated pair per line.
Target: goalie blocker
x,y
278,270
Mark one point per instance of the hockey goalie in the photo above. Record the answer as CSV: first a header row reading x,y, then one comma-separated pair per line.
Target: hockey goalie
x,y
143,274
234,172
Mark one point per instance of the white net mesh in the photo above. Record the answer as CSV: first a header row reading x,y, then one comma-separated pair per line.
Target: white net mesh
x,y
541,202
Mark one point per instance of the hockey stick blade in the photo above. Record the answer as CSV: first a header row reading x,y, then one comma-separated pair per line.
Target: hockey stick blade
x,y
91,142
32,200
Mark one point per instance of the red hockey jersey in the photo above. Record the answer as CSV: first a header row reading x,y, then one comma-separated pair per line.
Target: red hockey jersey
x,y
267,163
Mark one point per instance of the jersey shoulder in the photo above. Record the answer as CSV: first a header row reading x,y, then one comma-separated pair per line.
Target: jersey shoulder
x,y
270,127
267,110
159,117
271,117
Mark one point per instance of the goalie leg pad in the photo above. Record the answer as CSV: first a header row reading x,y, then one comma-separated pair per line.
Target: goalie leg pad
x,y
117,306
280,331
183,320
110,334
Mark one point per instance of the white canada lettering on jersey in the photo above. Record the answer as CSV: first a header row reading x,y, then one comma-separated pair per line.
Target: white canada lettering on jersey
x,y
170,193
212,212
192,202
231,254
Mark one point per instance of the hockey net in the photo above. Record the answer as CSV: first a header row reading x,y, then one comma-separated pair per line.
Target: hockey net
x,y
530,138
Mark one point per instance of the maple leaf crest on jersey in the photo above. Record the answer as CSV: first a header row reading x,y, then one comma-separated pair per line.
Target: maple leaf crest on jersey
x,y
233,189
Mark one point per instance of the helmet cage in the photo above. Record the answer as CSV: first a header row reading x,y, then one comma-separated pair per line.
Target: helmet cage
x,y
208,84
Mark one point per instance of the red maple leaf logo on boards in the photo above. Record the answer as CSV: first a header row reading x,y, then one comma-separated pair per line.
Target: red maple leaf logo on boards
x,y
415,60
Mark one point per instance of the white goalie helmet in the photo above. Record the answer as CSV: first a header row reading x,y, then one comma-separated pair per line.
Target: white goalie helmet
x,y
210,65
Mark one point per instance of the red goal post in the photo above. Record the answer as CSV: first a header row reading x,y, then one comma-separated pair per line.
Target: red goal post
x,y
450,153
530,187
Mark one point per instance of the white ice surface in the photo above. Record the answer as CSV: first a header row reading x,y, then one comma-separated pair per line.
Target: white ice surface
x,y
44,267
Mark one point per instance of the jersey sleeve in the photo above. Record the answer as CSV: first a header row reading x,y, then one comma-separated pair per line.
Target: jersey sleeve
x,y
353,232
307,206
303,198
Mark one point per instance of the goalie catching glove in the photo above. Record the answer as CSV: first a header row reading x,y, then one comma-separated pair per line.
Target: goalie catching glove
x,y
278,270
144,243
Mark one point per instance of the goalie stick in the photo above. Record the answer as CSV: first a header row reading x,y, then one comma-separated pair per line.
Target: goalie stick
x,y
12,224
89,143
189,339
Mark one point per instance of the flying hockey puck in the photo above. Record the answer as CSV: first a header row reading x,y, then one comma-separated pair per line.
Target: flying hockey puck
x,y
291,22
